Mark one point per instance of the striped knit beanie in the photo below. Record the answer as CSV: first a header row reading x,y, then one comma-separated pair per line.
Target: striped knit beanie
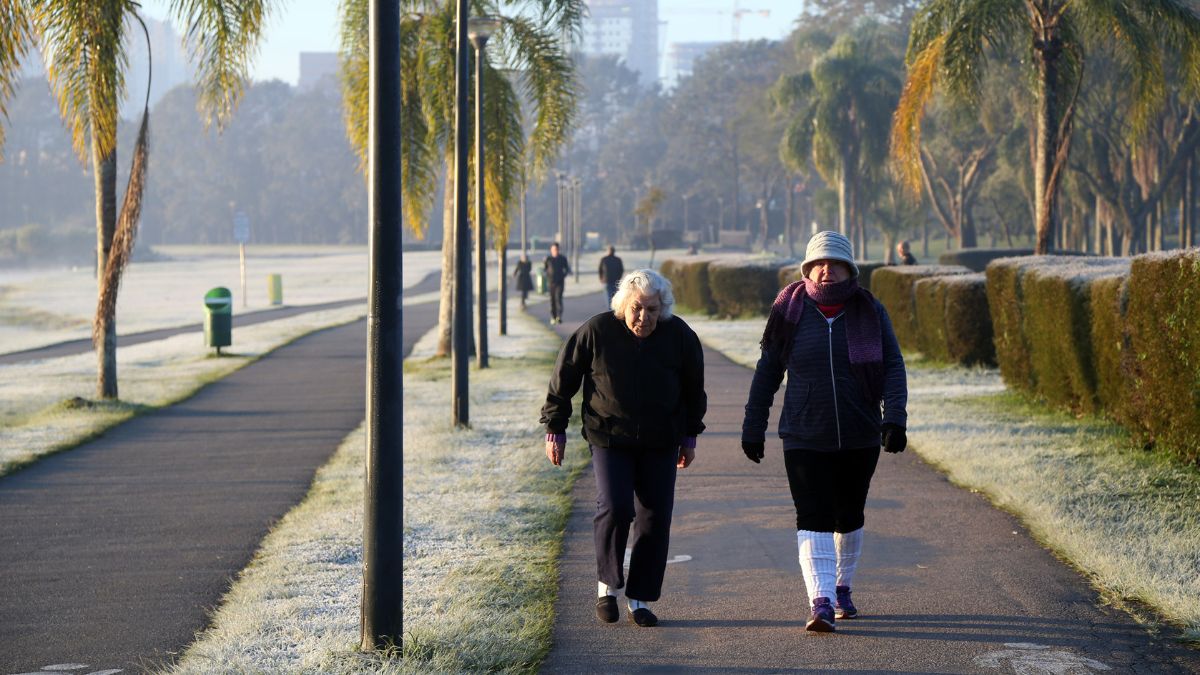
x,y
829,245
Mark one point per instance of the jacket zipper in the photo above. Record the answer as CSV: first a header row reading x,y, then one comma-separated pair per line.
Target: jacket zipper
x,y
837,420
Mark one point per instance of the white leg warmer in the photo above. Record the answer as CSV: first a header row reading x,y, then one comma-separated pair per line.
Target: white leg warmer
x,y
849,547
818,563
602,590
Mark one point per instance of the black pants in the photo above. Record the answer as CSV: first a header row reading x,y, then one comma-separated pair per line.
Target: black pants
x,y
638,487
611,289
556,292
829,489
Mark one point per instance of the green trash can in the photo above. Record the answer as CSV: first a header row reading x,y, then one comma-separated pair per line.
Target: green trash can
x,y
275,289
539,282
218,318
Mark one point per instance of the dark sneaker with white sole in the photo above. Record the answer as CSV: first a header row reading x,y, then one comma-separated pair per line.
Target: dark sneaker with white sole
x,y
822,619
606,609
844,608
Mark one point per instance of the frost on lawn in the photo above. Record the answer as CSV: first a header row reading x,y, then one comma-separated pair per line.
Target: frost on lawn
x,y
483,516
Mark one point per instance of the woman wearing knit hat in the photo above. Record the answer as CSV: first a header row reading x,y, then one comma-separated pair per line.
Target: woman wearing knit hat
x,y
846,396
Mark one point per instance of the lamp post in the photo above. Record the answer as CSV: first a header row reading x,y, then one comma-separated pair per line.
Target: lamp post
x,y
561,184
382,614
578,218
461,339
479,29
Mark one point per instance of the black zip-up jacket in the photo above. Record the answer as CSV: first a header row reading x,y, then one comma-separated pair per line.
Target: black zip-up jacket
x,y
824,406
637,394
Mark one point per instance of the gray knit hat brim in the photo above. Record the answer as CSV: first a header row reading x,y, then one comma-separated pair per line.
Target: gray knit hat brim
x,y
829,245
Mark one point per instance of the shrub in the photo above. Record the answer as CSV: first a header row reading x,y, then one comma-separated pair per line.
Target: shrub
x,y
1163,320
1058,327
788,274
893,286
744,286
1004,294
977,259
1110,344
866,268
689,282
952,319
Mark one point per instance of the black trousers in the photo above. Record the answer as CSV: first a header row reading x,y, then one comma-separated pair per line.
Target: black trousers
x,y
556,298
638,487
829,489
611,289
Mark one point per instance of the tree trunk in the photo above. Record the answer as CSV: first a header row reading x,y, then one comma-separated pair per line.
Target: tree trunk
x,y
1047,140
843,189
791,217
446,288
104,168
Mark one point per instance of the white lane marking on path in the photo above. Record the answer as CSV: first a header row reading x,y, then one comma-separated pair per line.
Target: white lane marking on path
x,y
1027,658
673,559
65,667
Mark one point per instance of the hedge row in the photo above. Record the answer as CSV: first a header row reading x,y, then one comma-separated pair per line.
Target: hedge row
x,y
689,282
1114,336
952,317
895,286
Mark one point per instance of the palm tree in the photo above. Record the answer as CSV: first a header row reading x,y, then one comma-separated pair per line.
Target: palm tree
x,y
844,100
531,67
84,47
951,42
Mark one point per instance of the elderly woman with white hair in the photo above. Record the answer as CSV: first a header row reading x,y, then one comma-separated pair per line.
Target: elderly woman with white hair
x,y
642,372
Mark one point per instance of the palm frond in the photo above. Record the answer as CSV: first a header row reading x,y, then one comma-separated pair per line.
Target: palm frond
x,y
923,71
1177,24
15,41
223,37
563,16
1116,23
504,137
549,84
354,66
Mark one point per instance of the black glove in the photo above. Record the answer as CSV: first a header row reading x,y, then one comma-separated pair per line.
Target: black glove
x,y
894,438
754,451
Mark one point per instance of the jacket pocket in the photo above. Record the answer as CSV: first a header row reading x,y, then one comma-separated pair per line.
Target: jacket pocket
x,y
795,403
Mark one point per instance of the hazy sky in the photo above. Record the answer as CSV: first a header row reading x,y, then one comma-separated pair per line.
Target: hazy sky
x,y
311,26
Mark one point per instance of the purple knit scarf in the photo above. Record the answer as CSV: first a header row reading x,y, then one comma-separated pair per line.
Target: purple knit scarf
x,y
864,337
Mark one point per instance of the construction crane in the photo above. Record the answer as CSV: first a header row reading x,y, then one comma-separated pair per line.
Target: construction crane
x,y
736,15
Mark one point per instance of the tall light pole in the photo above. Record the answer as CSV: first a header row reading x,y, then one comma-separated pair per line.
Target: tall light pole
x,y
578,218
461,340
382,616
561,184
479,29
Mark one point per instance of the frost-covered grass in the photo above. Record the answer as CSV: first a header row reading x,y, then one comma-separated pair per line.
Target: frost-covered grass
x,y
484,513
1125,517
46,406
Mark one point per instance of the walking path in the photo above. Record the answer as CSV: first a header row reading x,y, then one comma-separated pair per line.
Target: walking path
x,y
114,552
946,584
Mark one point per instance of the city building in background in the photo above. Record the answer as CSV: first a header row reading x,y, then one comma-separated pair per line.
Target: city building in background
x,y
627,29
683,56
170,61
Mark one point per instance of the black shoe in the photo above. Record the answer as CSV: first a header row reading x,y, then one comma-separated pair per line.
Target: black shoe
x,y
643,617
606,609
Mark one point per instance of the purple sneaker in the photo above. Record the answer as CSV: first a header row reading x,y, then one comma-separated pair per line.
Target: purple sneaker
x,y
822,617
844,609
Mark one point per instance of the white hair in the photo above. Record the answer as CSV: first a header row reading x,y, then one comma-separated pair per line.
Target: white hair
x,y
643,282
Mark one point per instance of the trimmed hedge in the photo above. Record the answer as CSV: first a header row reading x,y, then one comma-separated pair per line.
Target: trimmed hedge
x,y
744,286
788,274
1110,343
977,259
689,282
893,286
953,322
1163,321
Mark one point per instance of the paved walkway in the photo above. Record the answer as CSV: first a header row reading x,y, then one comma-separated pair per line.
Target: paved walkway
x,y
947,584
114,553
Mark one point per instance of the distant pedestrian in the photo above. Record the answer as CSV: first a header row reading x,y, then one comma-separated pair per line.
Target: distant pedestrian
x,y
642,372
557,268
903,255
523,278
611,271
835,342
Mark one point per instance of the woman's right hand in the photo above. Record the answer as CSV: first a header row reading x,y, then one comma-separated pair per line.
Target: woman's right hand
x,y
555,451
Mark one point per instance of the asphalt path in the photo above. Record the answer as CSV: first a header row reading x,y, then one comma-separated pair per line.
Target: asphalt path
x,y
70,347
114,553
946,583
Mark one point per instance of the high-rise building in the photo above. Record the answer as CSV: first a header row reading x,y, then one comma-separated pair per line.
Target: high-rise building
x,y
627,29
685,54
169,59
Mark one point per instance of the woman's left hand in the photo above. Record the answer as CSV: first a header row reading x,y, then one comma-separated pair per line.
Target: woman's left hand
x,y
686,456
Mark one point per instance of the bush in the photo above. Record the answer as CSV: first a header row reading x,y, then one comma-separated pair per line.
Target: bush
x,y
953,322
1005,298
789,273
689,282
744,286
893,286
1058,327
977,259
1110,344
1163,320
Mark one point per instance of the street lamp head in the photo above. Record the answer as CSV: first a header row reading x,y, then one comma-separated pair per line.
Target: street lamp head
x,y
480,28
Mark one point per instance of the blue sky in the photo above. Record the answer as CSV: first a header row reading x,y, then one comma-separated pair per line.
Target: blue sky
x,y
311,25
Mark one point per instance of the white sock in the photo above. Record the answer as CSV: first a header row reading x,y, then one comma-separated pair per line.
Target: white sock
x,y
637,604
849,547
818,563
602,589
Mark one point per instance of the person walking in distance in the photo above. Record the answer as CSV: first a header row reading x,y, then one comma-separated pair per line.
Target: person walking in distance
x,y
557,268
611,271
642,373
835,342
523,278
903,255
